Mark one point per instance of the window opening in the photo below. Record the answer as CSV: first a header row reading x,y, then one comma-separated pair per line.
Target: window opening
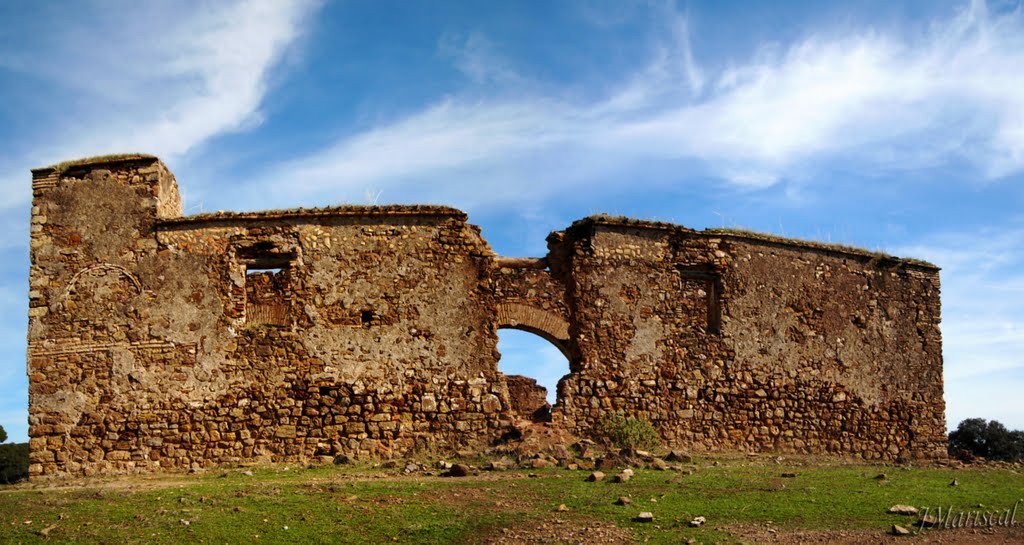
x,y
700,289
267,284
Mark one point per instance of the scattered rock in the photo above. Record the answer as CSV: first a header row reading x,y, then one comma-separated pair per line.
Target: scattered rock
x,y
623,477
458,470
900,509
954,483
497,465
413,467
185,522
562,507
788,475
697,521
595,476
927,521
679,456
539,463
441,464
898,530
45,532
881,477
247,473
606,463
342,459
583,447
658,464
645,516
623,500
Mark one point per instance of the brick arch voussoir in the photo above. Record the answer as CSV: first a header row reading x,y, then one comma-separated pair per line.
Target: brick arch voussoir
x,y
548,325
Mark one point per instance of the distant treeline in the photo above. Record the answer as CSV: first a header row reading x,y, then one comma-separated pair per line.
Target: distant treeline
x,y
976,438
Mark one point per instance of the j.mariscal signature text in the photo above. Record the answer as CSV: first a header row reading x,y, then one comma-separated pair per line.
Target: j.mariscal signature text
x,y
969,519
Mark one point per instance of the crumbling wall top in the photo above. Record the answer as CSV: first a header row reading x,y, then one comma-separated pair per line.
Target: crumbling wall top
x,y
881,258
349,211
98,160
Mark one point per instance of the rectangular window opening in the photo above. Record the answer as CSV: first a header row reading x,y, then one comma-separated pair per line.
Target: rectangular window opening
x,y
700,291
267,288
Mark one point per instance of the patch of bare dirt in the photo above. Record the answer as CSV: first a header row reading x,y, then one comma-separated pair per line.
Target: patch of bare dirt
x,y
557,530
964,536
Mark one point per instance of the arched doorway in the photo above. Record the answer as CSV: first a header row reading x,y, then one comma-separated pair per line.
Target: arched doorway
x,y
532,365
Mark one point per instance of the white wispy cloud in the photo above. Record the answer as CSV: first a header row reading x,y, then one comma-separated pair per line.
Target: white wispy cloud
x,y
162,78
926,96
475,56
158,77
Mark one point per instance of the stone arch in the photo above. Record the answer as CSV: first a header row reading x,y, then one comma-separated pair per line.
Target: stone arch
x,y
100,270
548,325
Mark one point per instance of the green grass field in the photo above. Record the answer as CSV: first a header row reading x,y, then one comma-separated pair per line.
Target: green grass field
x,y
361,504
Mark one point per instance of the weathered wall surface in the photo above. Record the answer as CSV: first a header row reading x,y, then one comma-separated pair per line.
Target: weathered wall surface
x,y
727,341
162,342
157,341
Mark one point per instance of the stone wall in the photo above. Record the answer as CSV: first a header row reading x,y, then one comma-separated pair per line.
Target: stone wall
x,y
731,341
160,341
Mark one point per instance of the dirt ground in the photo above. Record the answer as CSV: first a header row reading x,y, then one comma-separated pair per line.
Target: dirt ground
x,y
556,530
562,531
964,536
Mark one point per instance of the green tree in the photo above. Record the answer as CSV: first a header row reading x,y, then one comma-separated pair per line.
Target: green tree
x,y
13,462
990,440
3,434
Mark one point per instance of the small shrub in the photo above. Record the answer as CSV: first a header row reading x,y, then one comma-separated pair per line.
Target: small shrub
x,y
627,433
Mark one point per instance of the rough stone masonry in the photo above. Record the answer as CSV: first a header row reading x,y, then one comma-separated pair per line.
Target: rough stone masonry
x,y
158,341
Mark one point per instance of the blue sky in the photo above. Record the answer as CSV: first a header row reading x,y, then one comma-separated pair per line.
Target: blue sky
x,y
888,125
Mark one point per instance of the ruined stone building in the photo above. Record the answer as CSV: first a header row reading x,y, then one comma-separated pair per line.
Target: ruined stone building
x,y
162,341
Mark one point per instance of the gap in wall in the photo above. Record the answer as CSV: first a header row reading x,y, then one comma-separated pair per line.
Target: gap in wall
x,y
530,355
